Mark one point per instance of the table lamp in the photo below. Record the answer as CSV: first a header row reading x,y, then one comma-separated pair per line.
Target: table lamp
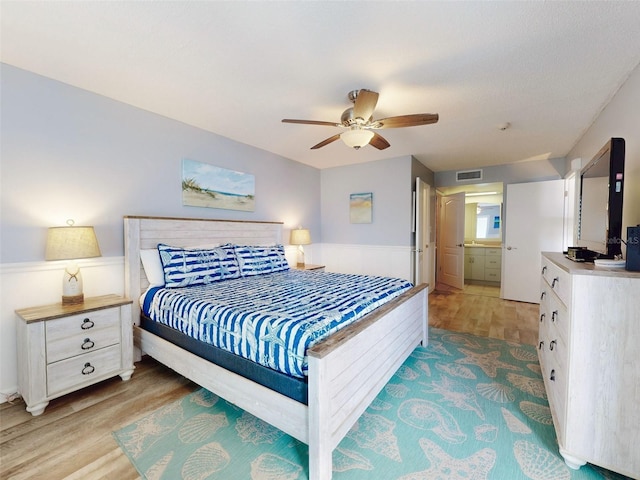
x,y
71,243
300,236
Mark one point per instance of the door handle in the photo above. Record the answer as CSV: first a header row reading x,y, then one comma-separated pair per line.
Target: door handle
x,y
512,248
459,245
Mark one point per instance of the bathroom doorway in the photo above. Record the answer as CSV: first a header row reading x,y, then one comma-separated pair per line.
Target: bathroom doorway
x,y
483,236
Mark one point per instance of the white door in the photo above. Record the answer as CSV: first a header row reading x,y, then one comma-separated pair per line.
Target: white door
x,y
423,264
451,241
534,217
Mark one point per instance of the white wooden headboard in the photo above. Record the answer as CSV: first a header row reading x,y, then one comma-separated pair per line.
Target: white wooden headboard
x,y
146,232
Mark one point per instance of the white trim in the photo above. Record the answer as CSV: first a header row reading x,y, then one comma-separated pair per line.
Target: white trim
x,y
23,267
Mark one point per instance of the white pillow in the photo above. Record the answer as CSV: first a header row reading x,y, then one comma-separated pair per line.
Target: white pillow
x,y
152,267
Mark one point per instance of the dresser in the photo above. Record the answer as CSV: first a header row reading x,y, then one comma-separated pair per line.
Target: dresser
x,y
62,348
589,351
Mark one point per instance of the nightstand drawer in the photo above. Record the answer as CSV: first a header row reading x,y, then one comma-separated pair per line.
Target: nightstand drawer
x,y
81,343
82,324
83,370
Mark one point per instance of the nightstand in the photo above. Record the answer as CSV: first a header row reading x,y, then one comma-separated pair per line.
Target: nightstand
x,y
63,348
307,266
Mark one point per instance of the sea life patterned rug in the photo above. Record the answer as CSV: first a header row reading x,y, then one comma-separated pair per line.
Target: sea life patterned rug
x,y
465,407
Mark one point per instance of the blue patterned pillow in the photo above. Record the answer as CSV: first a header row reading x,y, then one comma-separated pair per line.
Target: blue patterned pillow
x,y
260,260
184,267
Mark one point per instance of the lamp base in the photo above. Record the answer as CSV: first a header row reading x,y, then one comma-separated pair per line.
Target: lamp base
x,y
300,259
73,299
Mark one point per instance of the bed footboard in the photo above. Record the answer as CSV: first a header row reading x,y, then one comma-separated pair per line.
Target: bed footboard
x,y
349,369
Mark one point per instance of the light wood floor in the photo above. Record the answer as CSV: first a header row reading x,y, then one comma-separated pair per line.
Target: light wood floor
x,y
478,309
72,440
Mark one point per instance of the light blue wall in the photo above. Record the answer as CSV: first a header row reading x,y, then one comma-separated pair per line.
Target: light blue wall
x,y
68,153
389,181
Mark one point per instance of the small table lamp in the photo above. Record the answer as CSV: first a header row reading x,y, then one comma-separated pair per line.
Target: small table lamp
x,y
300,236
71,243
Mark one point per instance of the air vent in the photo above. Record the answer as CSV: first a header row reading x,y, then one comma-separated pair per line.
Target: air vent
x,y
465,175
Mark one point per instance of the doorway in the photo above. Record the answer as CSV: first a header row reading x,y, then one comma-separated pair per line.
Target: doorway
x,y
478,245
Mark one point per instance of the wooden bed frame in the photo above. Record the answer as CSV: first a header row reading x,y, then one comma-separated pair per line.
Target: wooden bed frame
x,y
346,370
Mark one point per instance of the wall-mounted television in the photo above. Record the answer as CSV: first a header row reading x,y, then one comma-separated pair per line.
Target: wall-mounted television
x,y
601,191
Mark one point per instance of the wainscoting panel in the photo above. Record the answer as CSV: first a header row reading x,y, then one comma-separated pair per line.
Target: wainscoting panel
x,y
389,261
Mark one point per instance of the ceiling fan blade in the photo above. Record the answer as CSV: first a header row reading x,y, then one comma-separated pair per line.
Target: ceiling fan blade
x,y
379,142
407,120
365,104
326,142
311,122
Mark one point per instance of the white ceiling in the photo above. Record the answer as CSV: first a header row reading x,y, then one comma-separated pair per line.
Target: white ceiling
x,y
238,68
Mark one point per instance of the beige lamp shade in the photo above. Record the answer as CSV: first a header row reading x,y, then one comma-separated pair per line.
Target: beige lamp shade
x,y
68,243
300,236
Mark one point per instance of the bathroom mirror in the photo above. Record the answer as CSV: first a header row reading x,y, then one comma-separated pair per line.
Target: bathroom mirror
x,y
488,221
483,221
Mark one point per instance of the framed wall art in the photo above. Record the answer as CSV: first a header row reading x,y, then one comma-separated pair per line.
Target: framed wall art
x,y
205,185
361,207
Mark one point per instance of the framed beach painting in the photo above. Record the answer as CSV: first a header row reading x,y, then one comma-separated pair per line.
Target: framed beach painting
x,y
360,207
205,185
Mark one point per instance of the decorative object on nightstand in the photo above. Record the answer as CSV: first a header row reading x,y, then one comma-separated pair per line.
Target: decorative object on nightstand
x,y
63,348
308,266
71,243
300,236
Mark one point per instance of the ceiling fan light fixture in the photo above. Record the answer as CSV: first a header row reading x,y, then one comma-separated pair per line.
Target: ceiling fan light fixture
x,y
356,137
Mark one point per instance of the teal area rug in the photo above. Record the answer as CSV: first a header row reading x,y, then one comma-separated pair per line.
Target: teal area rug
x,y
465,407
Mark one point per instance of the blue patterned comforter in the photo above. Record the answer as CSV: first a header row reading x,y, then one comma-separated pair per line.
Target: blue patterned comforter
x,y
271,319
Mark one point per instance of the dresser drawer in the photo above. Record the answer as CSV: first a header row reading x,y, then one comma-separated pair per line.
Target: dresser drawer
x,y
556,316
493,252
553,356
558,280
82,370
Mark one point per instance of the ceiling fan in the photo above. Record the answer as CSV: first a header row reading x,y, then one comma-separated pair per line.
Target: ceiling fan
x,y
360,124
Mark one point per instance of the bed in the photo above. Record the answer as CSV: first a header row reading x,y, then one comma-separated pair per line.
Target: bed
x,y
345,371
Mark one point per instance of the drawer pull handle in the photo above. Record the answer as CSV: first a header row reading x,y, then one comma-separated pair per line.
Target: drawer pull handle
x,y
544,270
542,295
542,315
87,344
540,345
555,280
554,316
88,369
552,376
552,345
87,324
